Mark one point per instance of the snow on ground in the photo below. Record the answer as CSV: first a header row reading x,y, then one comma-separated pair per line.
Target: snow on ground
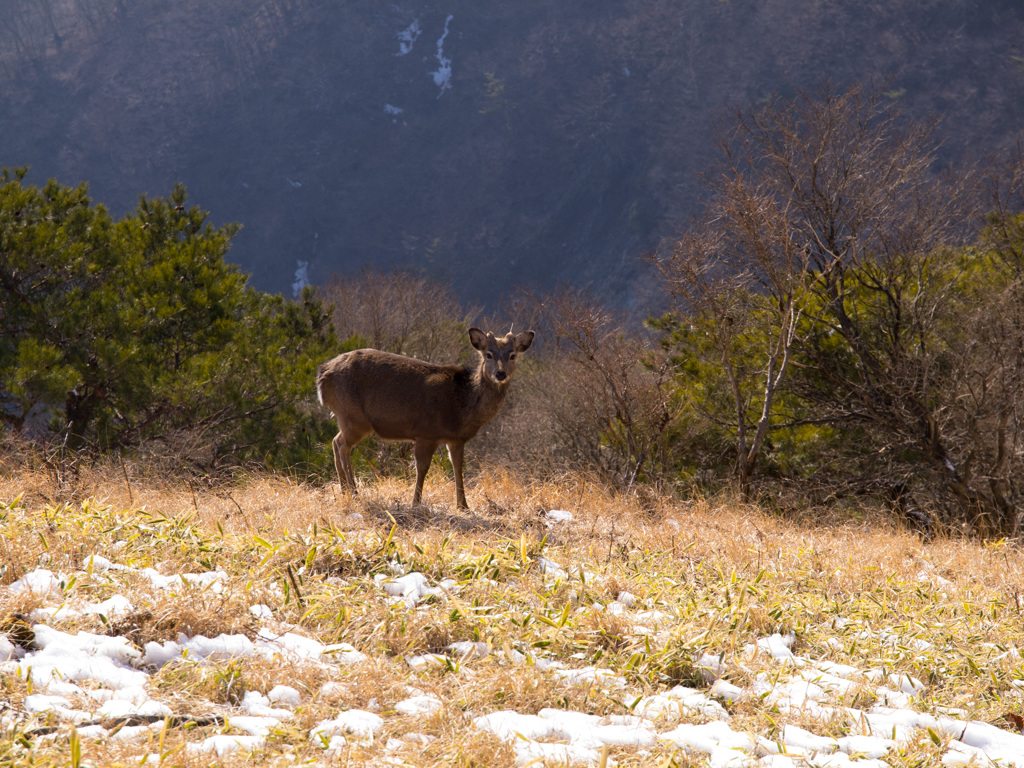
x,y
107,677
407,38
443,74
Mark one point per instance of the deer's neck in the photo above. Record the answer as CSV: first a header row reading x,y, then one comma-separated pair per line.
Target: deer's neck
x,y
486,397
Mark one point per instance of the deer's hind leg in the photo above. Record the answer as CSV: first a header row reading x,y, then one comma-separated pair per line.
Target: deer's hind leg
x,y
423,450
347,438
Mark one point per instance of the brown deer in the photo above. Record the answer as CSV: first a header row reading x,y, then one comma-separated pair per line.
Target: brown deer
x,y
402,398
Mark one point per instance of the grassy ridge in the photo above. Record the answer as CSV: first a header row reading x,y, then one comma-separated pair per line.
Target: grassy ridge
x,y
707,577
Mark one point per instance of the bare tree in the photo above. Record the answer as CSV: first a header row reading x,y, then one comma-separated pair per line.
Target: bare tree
x,y
612,401
402,312
825,209
738,278
984,420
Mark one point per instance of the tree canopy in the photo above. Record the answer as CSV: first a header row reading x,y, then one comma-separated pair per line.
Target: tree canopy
x,y
116,331
842,281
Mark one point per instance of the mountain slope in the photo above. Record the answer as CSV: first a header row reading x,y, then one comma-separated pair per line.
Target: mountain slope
x,y
495,144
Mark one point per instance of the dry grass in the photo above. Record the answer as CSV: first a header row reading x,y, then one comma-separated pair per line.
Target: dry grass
x,y
854,590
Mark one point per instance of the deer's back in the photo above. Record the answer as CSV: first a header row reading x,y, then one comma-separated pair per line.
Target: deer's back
x,y
398,397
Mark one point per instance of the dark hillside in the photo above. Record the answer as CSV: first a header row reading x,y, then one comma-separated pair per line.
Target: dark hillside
x,y
492,143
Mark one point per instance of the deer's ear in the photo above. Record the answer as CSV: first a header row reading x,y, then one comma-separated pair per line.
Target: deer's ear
x,y
524,340
478,339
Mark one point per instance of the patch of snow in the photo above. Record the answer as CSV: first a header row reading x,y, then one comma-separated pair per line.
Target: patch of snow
x,y
213,649
583,735
467,649
148,708
793,736
675,704
268,645
961,754
443,74
591,676
407,38
529,753
353,722
545,665
301,278
727,692
551,568
284,694
331,689
652,617
592,731
408,589
907,684
223,744
9,650
426,660
343,653
290,645
836,683
710,666
419,739
777,646
63,657
419,705
557,516
508,725
253,724
212,580
118,605
100,564
256,704
40,702
40,582
724,745
867,746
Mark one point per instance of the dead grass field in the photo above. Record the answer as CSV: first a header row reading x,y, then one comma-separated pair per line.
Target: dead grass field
x,y
702,578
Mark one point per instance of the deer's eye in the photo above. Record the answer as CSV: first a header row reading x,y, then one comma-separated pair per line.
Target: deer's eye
x,y
512,356
489,356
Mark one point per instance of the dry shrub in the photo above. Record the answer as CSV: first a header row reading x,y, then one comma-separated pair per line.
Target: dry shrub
x,y
596,397
608,631
406,633
190,611
477,749
401,312
525,689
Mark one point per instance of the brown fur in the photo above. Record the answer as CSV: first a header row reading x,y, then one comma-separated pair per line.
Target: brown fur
x,y
401,398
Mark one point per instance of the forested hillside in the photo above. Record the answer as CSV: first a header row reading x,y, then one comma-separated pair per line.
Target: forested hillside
x,y
491,144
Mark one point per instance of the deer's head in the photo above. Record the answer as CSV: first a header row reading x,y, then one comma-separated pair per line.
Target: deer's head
x,y
498,355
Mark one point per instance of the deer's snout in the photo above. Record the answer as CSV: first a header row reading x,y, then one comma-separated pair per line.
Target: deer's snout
x,y
500,375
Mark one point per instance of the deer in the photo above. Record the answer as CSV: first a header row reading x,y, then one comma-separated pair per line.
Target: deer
x,y
400,398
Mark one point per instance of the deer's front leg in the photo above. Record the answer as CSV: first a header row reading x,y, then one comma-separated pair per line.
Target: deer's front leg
x,y
456,450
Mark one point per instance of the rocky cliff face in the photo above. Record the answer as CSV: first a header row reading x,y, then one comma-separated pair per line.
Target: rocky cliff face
x,y
497,144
